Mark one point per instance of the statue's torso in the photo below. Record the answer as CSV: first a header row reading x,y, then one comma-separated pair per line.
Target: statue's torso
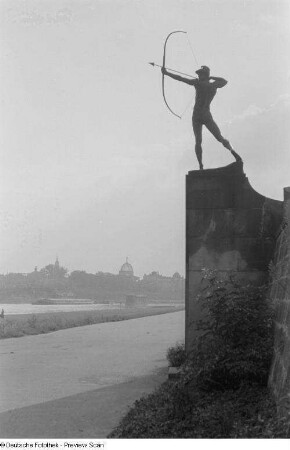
x,y
205,92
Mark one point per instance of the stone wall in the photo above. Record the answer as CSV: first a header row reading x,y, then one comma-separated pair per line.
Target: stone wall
x,y
230,228
280,294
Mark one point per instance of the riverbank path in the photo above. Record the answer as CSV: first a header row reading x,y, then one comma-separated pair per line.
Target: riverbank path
x,y
78,383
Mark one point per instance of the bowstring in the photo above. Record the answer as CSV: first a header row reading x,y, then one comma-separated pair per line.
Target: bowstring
x,y
191,48
193,54
187,107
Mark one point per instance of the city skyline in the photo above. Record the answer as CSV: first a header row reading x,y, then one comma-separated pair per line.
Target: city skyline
x,y
96,272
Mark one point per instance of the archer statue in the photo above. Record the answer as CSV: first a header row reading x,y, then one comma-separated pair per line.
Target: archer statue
x,y
206,87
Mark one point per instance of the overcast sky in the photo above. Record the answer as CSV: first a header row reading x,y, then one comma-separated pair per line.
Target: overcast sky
x,y
92,163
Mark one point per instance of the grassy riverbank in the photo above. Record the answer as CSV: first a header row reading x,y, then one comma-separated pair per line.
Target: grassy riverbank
x,y
19,325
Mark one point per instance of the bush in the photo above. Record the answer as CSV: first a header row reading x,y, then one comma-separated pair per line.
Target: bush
x,y
175,412
235,343
176,356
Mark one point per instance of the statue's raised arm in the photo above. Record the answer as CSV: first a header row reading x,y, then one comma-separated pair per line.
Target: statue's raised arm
x,y
189,81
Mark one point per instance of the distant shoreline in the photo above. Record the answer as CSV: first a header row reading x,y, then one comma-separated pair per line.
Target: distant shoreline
x,y
19,325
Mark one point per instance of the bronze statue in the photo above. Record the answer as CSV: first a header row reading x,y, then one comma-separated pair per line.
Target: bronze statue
x,y
206,87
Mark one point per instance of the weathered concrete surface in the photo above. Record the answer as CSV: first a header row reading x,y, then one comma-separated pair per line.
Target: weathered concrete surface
x,y
229,227
39,369
279,379
92,414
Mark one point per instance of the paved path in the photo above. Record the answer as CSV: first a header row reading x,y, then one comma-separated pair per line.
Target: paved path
x,y
78,366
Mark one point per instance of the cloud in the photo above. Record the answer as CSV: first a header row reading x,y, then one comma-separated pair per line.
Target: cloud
x,y
268,19
34,17
283,101
251,110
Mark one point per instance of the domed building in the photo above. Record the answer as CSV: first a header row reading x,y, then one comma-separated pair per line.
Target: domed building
x,y
126,270
176,276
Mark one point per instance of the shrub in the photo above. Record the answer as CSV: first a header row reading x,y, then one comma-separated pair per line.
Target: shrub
x,y
174,412
235,343
176,355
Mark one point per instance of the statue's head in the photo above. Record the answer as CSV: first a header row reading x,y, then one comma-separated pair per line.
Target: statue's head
x,y
203,73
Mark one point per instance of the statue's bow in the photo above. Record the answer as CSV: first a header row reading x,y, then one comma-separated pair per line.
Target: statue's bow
x,y
163,66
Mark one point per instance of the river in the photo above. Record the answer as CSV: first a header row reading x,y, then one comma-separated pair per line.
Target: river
x,y
28,308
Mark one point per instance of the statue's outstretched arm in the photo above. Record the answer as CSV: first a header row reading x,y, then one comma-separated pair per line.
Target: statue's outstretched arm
x,y
190,81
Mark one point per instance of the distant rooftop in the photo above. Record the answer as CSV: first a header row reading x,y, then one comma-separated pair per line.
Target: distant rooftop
x,y
126,269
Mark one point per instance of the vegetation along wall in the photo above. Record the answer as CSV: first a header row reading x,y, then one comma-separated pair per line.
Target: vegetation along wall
x,y
280,294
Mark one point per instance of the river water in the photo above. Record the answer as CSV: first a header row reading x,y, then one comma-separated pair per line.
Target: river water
x,y
28,308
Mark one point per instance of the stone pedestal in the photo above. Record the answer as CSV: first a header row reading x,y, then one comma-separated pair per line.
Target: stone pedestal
x,y
229,227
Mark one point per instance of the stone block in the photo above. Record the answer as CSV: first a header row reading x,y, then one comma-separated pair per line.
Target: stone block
x,y
229,228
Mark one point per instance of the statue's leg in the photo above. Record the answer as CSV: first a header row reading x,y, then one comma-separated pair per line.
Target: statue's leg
x,y
215,131
197,129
